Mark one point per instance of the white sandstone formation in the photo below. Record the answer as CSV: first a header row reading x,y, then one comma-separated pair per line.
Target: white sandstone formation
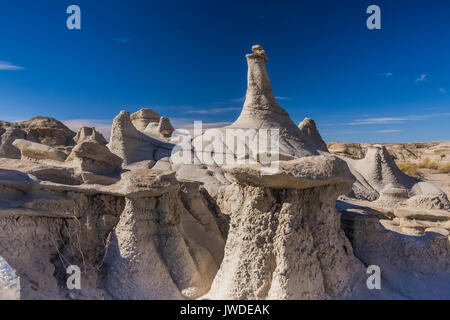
x,y
137,149
414,256
93,156
9,133
260,112
44,130
413,152
379,178
309,129
165,128
160,249
400,224
151,123
89,134
142,118
285,240
48,131
37,151
53,225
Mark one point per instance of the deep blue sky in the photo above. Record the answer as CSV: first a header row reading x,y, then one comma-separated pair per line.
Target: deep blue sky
x,y
185,59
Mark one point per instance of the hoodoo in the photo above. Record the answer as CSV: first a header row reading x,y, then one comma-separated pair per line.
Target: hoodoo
x,y
309,128
379,178
261,110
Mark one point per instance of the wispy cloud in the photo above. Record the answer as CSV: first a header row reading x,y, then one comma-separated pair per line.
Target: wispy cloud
x,y
237,100
213,110
384,74
121,40
442,90
282,98
188,124
374,121
422,78
102,126
5,65
242,99
388,131
385,120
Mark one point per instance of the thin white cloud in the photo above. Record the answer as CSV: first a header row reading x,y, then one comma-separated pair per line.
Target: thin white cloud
x,y
442,90
282,98
385,74
422,78
102,126
121,40
374,121
385,120
388,131
205,125
241,99
5,65
213,111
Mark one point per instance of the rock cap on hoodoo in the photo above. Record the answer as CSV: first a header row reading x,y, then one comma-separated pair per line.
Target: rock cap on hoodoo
x,y
143,117
258,52
165,128
89,134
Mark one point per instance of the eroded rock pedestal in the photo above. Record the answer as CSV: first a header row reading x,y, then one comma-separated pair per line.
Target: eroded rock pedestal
x,y
285,240
160,250
135,239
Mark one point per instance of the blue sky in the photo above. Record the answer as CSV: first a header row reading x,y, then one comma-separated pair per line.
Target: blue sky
x,y
185,59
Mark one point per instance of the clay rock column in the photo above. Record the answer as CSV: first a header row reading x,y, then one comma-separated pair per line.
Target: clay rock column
x,y
285,240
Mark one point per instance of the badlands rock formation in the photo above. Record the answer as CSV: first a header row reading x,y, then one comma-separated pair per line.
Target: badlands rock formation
x,y
141,222
89,134
400,152
309,128
261,111
429,161
38,151
136,148
284,240
379,178
44,130
400,224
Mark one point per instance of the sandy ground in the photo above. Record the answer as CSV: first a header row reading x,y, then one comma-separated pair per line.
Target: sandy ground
x,y
442,180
